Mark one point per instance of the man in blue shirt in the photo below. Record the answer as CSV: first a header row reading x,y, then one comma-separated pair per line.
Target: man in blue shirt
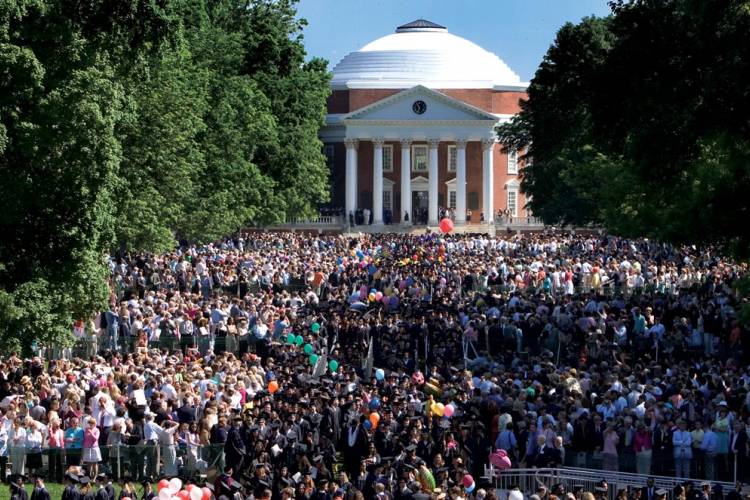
x,y
507,441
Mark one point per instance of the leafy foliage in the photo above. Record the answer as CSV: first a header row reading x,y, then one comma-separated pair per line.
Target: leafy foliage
x,y
131,123
640,122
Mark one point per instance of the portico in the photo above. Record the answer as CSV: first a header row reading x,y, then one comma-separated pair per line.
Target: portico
x,y
430,132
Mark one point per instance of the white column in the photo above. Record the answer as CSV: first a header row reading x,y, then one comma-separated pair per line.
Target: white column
x,y
377,181
488,180
406,181
461,181
351,176
432,202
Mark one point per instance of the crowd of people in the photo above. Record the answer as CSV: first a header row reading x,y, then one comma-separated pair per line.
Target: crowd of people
x,y
393,366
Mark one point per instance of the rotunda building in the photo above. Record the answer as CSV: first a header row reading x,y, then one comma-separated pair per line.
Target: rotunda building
x,y
409,131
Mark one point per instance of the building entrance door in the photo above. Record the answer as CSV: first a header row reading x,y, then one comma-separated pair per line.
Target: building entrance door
x,y
419,202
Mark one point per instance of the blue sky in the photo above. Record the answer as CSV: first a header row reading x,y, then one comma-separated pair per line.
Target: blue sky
x,y
518,31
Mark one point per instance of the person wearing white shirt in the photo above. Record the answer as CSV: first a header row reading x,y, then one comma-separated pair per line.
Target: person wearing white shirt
x,y
683,450
167,443
33,445
17,445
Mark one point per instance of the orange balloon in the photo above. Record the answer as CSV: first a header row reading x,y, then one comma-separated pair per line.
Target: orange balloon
x,y
273,386
374,419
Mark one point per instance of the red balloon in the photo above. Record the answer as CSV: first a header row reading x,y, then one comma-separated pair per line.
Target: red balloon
x,y
162,484
206,494
446,226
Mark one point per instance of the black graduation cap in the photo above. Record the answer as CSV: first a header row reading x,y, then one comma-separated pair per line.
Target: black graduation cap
x,y
264,484
286,482
411,447
84,480
72,477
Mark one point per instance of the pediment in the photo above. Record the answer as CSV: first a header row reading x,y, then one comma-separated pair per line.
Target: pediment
x,y
437,107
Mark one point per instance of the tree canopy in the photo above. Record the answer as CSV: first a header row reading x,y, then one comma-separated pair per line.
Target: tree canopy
x,y
639,122
130,124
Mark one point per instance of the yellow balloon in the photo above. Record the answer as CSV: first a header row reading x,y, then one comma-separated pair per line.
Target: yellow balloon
x,y
438,409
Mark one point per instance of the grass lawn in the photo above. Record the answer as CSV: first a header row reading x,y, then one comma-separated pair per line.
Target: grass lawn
x,y
56,490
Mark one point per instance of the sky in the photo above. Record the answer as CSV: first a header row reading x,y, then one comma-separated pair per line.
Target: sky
x,y
517,31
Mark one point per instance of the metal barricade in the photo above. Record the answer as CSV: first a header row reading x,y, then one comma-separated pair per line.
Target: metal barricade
x,y
136,461
529,480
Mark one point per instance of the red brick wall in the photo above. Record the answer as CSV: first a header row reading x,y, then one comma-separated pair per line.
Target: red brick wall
x,y
479,98
338,101
507,102
364,175
360,98
345,101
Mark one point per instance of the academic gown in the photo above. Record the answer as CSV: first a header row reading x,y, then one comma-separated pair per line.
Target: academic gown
x,y
40,494
71,493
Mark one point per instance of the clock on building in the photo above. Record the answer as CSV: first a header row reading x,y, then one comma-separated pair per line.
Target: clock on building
x,y
419,107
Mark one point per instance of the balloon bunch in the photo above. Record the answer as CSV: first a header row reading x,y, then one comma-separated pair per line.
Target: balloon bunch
x,y
172,490
308,349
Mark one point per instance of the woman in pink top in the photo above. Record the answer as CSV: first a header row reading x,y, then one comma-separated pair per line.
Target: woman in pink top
x,y
642,448
609,451
91,453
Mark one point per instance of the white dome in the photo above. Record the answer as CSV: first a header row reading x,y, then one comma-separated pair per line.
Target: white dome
x,y
423,53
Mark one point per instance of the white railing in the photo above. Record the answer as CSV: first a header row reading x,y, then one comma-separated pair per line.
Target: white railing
x,y
528,480
519,221
321,220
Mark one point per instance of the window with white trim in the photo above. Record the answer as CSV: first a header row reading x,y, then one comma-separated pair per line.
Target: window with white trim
x,y
513,162
387,199
512,200
387,157
452,198
452,158
419,158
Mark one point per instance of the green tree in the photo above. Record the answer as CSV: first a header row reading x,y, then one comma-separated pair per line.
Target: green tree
x,y
60,104
640,122
133,123
225,127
